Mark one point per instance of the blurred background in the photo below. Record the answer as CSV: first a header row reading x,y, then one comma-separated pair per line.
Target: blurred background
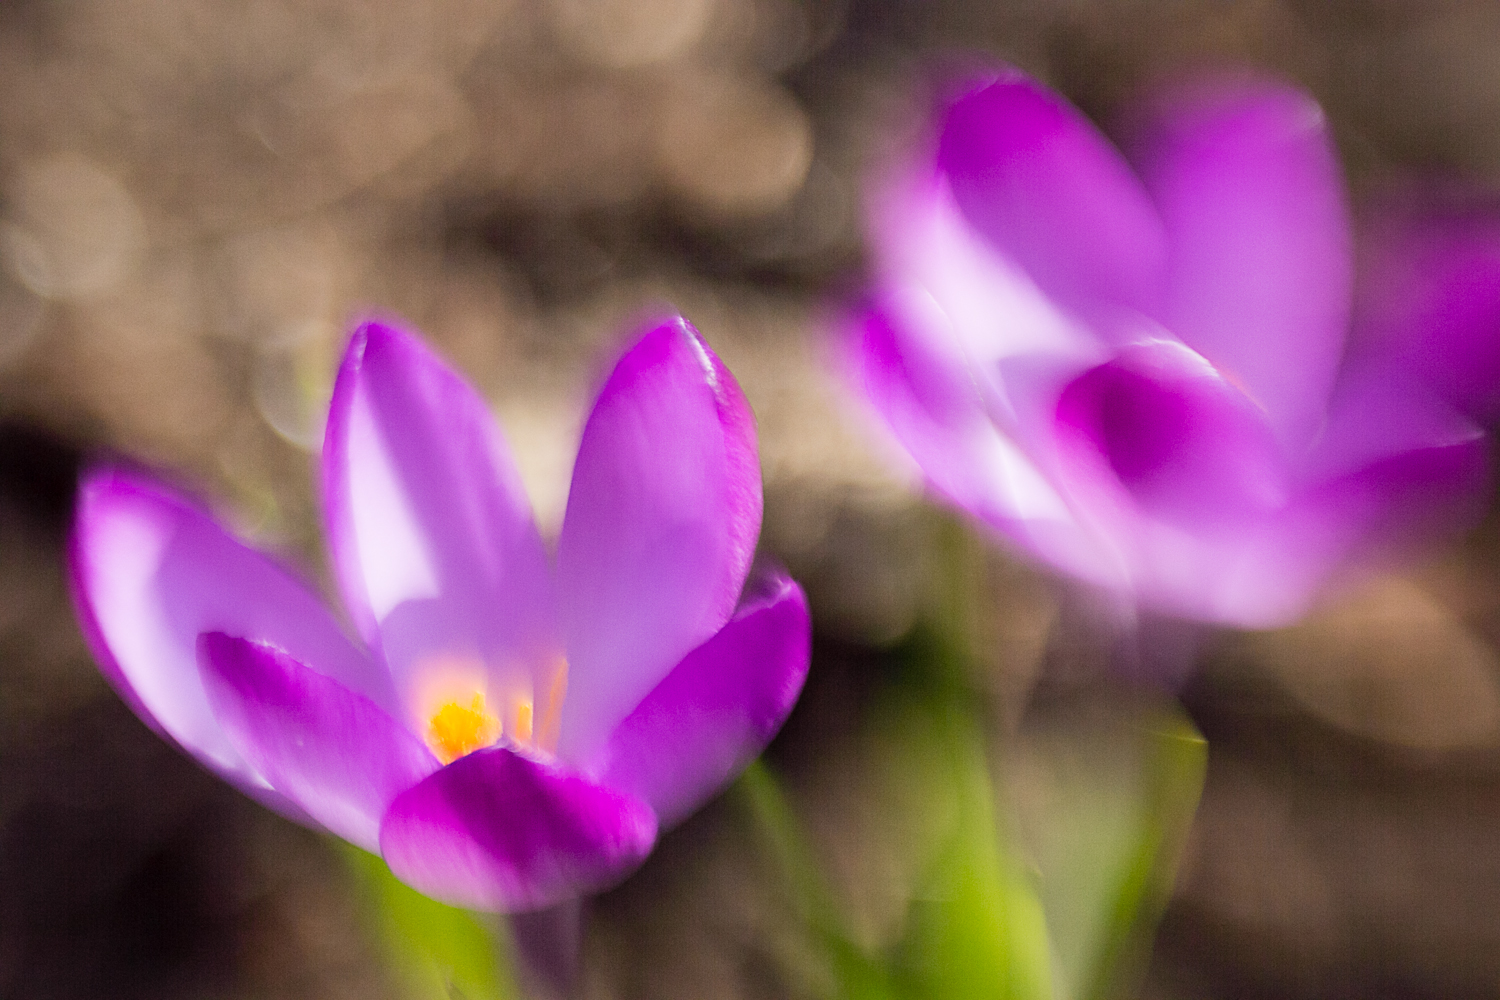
x,y
197,196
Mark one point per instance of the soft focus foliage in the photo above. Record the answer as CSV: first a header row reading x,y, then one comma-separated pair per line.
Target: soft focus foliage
x,y
1037,876
441,950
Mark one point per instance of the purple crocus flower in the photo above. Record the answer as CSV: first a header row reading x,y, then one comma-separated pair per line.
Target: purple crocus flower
x,y
511,735
1134,368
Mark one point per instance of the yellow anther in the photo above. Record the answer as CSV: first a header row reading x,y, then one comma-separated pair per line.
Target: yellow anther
x,y
455,730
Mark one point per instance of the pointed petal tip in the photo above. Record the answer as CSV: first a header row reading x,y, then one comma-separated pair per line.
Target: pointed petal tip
x,y
379,333
381,328
374,334
1047,190
956,83
107,478
94,484
663,338
661,525
428,522
1233,101
769,583
111,489
659,339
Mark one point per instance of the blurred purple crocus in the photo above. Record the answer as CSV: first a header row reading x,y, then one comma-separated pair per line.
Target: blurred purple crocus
x,y
511,735
1134,368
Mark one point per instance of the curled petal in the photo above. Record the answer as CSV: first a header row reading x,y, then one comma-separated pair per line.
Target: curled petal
x,y
717,710
1394,468
938,416
431,532
1184,444
1175,473
498,831
150,573
1260,274
331,751
661,524
1053,195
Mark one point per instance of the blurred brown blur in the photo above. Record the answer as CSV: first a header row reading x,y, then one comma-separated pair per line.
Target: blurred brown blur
x,y
197,196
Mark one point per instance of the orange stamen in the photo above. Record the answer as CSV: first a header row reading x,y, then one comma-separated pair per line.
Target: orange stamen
x,y
547,730
520,729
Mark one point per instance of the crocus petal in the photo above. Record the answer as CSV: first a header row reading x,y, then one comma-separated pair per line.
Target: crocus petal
x,y
150,573
661,523
498,831
1173,470
942,280
1430,300
717,710
1335,531
1186,445
1053,195
1248,183
935,412
1394,467
1395,459
431,532
329,750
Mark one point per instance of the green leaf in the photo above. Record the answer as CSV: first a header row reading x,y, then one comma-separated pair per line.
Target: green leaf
x,y
1106,796
855,974
437,951
978,930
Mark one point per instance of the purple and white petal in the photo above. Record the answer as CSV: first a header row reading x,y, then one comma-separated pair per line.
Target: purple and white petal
x,y
717,710
432,535
1260,275
943,283
498,831
937,415
333,752
1266,575
150,573
1171,468
661,524
1052,195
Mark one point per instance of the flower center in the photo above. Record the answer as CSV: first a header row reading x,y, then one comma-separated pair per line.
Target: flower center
x,y
464,719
